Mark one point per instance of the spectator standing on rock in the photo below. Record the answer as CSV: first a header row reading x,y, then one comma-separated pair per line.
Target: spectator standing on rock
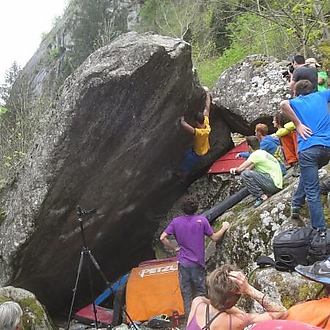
x,y
302,71
10,316
309,113
322,77
189,231
226,284
201,144
261,172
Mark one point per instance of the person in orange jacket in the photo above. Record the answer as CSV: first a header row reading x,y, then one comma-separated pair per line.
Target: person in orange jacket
x,y
286,132
315,312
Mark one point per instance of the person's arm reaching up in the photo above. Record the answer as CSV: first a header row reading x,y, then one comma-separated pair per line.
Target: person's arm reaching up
x,y
273,310
207,102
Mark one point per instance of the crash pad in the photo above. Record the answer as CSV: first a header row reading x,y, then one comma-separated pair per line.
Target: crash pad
x,y
86,315
153,289
228,160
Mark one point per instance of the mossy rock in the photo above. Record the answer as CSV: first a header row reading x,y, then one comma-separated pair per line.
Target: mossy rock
x,y
35,316
259,63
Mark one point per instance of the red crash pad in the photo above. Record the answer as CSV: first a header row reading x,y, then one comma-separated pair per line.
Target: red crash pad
x,y
227,161
86,315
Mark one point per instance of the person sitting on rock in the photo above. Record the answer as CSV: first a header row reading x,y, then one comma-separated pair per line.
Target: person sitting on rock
x,y
201,144
226,284
10,316
287,134
270,144
261,172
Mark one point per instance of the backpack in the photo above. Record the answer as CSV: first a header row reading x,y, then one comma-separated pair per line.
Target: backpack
x,y
319,248
299,246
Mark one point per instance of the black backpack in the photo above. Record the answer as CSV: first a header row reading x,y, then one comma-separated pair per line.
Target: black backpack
x,y
319,248
297,246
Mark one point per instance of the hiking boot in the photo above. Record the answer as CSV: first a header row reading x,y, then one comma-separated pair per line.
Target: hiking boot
x,y
319,268
296,170
159,321
322,232
258,202
295,210
325,186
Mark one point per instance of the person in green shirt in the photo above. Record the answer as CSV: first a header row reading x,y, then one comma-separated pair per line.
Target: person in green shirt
x,y
322,77
261,172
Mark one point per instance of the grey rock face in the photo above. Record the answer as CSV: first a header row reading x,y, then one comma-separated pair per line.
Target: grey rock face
x,y
251,91
110,143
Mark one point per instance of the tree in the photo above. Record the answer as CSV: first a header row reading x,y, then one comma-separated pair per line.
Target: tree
x,y
10,76
303,21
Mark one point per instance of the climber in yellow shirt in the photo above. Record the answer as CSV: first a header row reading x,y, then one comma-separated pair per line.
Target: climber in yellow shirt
x,y
201,144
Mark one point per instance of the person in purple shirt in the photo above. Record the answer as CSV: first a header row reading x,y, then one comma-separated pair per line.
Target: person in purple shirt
x,y
189,231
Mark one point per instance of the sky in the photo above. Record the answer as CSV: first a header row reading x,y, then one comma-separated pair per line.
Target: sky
x,y
22,24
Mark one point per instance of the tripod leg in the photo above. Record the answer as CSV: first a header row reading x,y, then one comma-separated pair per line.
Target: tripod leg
x,y
75,286
92,290
97,266
108,285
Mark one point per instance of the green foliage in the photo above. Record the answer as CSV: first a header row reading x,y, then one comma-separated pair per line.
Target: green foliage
x,y
95,25
33,307
3,110
10,77
54,53
172,18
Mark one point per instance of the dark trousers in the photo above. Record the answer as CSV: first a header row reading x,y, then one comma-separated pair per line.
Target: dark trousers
x,y
310,160
258,183
192,284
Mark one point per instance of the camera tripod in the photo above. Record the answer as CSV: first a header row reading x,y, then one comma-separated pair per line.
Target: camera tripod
x,y
85,252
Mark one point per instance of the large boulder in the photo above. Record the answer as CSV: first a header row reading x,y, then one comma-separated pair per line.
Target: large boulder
x,y
250,92
110,143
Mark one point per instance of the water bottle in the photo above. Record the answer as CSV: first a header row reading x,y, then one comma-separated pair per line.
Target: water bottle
x,y
175,319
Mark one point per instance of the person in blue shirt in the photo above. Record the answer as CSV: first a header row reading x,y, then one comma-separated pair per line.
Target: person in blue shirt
x,y
309,112
270,144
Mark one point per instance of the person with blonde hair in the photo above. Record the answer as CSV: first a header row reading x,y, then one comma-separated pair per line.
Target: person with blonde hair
x,y
10,316
226,285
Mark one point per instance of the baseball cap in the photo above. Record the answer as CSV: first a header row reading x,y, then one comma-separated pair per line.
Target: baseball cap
x,y
312,60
